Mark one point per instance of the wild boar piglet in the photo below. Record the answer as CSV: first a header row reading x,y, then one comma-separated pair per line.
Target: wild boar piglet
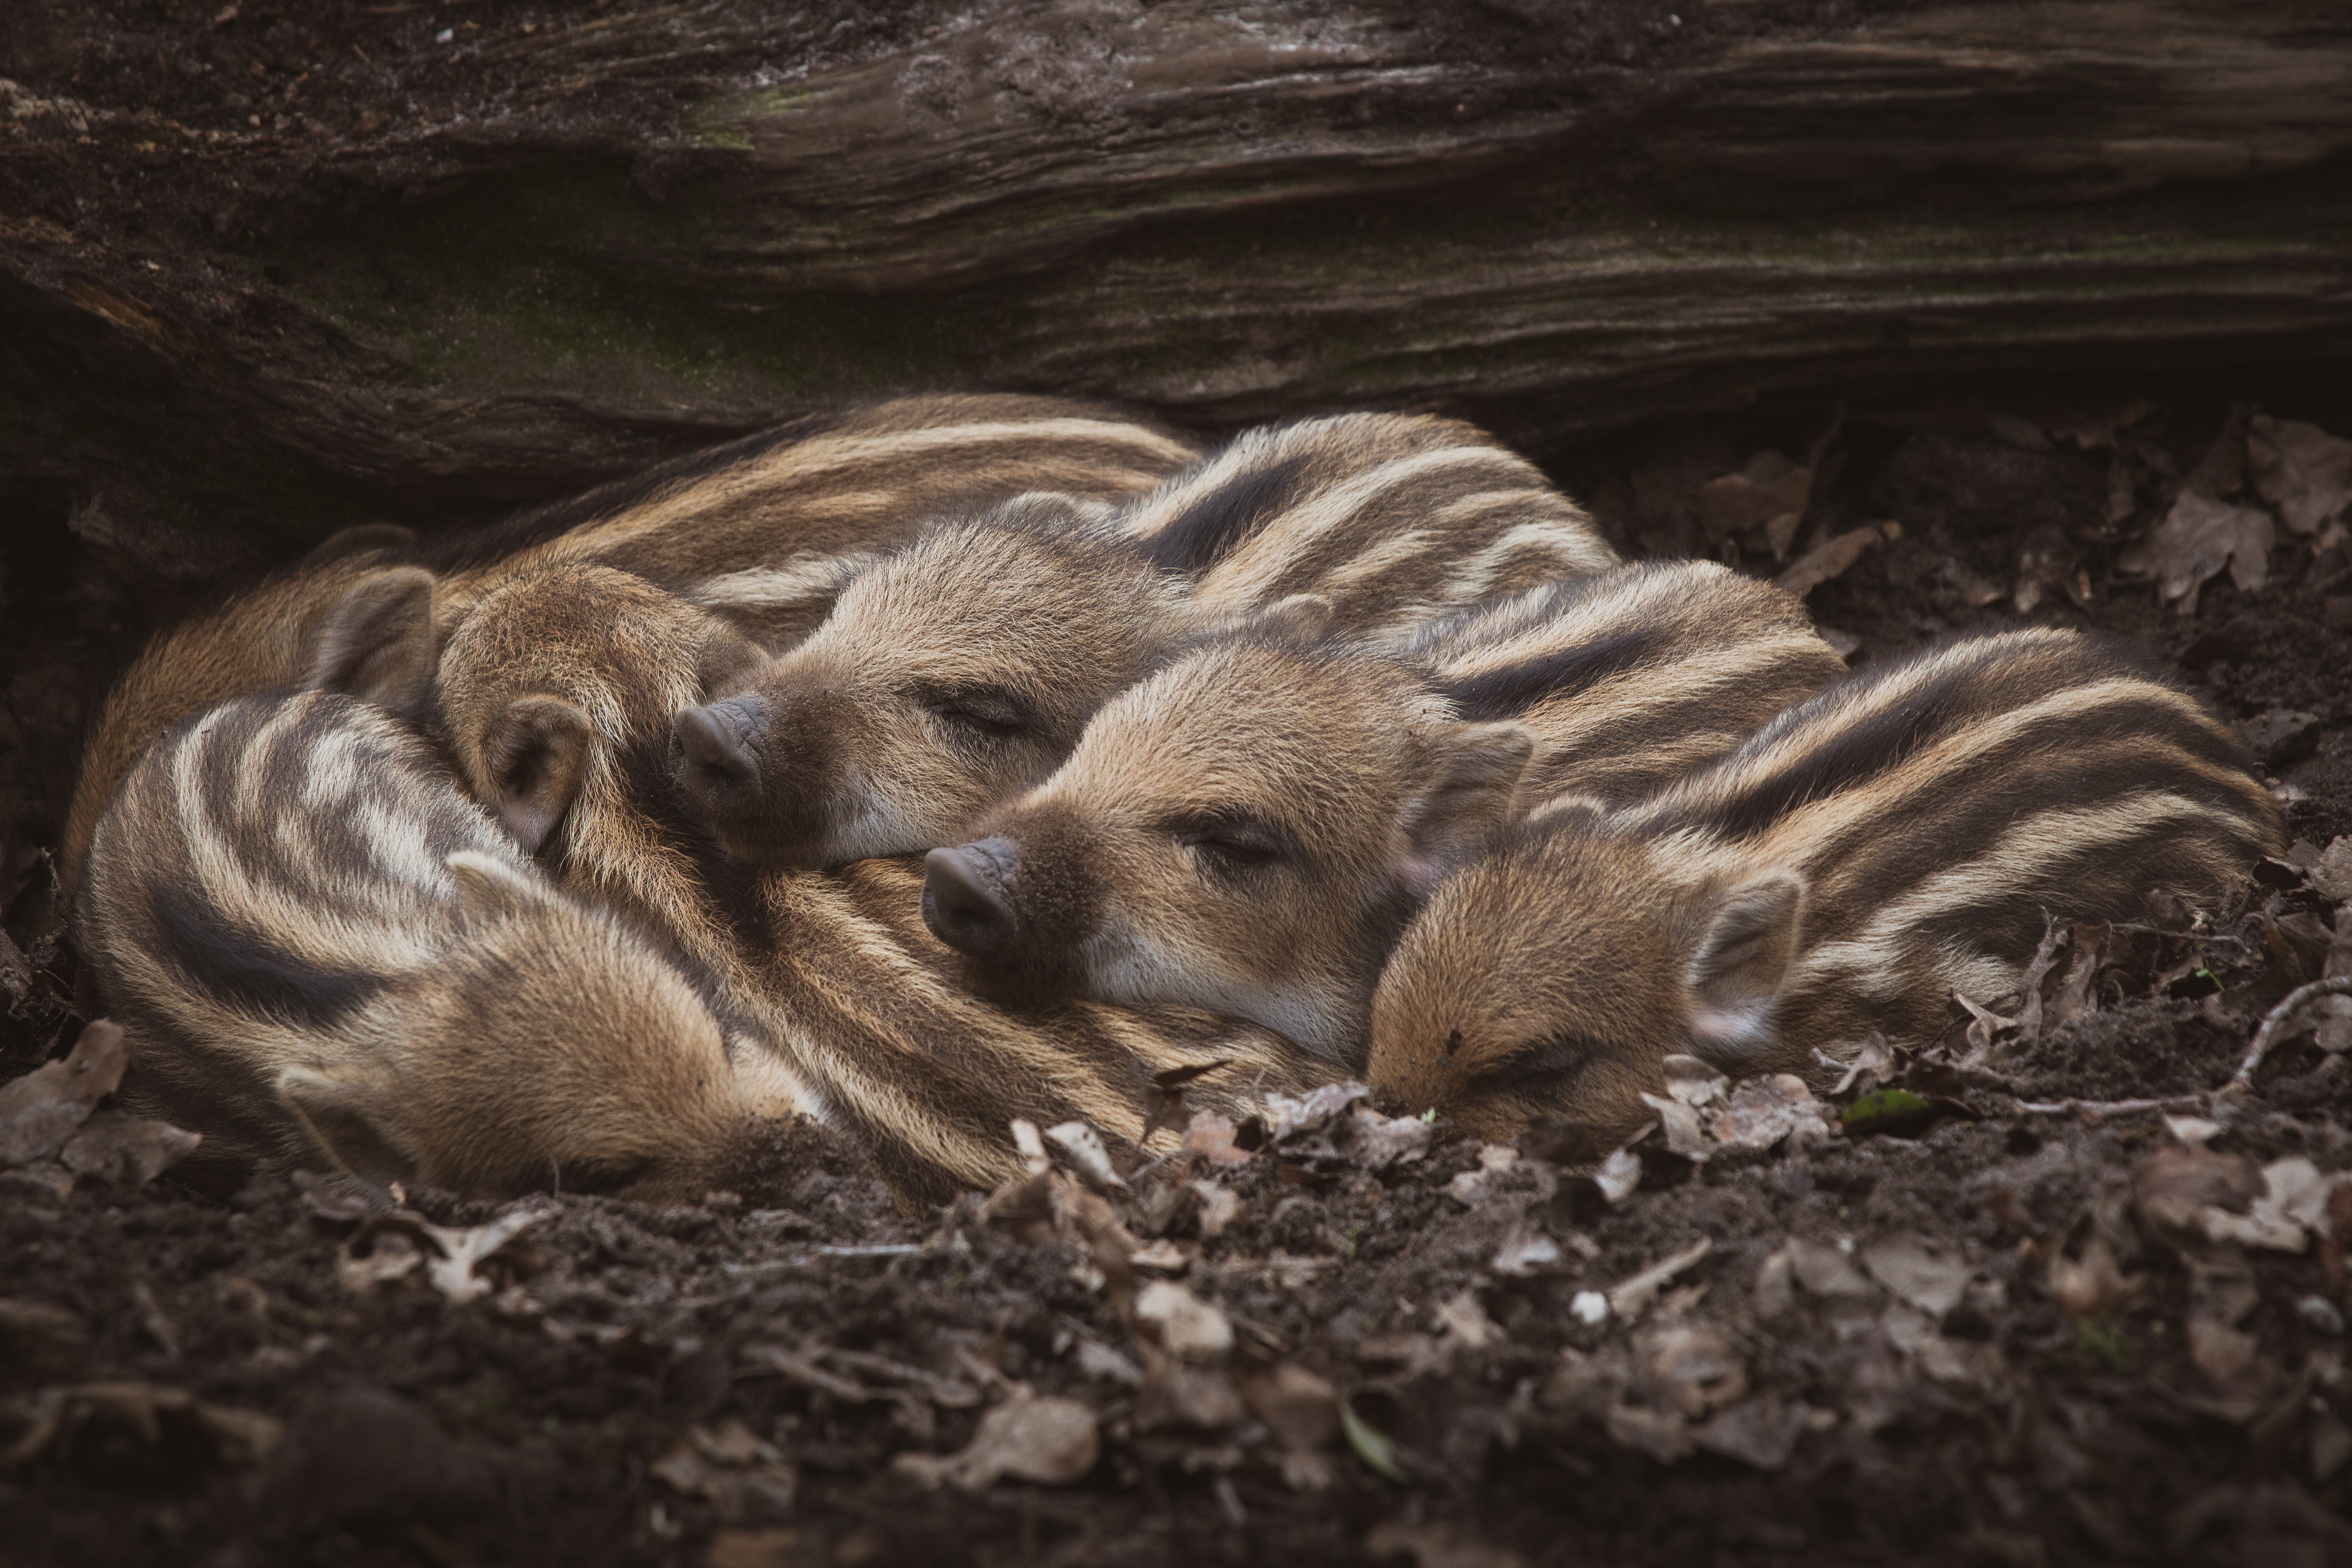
x,y
762,531
1900,837
325,953
959,671
949,676
860,1015
1249,829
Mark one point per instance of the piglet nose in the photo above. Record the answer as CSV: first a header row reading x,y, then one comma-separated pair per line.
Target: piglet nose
x,y
717,742
963,901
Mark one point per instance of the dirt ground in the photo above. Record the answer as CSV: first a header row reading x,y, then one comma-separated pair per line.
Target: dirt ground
x,y
1953,1317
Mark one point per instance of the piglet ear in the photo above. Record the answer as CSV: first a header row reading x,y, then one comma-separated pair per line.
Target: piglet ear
x,y
492,888
349,1122
1740,965
376,643
1471,776
537,755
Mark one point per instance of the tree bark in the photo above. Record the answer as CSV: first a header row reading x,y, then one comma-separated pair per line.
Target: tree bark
x,y
617,237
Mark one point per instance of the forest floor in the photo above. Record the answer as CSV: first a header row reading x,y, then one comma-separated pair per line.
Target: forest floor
x,y
1967,1307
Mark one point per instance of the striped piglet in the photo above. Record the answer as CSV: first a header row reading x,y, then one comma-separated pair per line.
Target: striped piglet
x,y
323,953
1900,837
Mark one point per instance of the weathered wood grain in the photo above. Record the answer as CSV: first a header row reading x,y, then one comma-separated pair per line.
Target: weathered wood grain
x,y
1228,213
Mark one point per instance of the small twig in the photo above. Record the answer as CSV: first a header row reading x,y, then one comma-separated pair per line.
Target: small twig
x,y
2097,1109
771,1265
2283,1018
893,1249
1151,1165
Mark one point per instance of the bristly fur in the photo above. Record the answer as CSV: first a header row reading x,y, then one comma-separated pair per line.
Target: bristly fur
x,y
958,671
764,530
1248,828
1903,836
865,1013
324,954
1395,519
954,672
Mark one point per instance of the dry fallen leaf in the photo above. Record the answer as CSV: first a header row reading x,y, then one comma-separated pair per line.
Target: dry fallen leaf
x,y
1176,1393
1221,1208
1872,1066
2301,470
738,1472
1083,1146
2198,538
2194,1131
2331,871
1468,1186
1030,1437
389,1248
1902,1262
1761,1111
1618,1175
1831,558
1302,1411
1693,1081
1098,1359
1188,1328
1211,1135
1824,1269
1163,1099
1588,1382
2046,564
1761,1434
1632,1296
1031,1145
1765,502
1381,1141
2243,1378
1689,1370
1287,1116
2092,1283
1464,1320
116,1147
2174,1189
1527,1252
147,1413
1685,1133
2292,1205
39,1111
1161,1257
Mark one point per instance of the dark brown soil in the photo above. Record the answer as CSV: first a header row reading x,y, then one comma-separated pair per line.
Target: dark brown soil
x,y
527,1426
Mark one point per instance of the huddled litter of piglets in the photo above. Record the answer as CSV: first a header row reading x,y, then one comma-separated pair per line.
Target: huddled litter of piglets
x,y
2068,1284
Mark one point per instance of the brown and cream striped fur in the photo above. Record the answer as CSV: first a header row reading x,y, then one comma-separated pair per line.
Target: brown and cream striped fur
x,y
859,1004
959,671
1898,838
1249,829
762,531
323,953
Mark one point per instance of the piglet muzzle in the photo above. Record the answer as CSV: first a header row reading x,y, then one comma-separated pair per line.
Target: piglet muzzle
x,y
964,899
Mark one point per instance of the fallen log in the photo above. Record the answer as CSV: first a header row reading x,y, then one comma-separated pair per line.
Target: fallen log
x,y
611,238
